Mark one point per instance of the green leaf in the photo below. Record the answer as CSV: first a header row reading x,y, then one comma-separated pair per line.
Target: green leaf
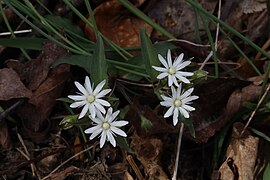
x,y
266,173
23,42
77,60
188,123
122,142
146,124
98,65
149,54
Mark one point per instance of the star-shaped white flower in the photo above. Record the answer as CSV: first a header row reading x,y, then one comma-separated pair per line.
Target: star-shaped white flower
x,y
172,69
107,126
90,98
179,102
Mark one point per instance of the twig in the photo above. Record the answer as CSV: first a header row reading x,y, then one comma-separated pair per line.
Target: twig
x,y
256,109
6,113
16,32
134,167
66,161
178,151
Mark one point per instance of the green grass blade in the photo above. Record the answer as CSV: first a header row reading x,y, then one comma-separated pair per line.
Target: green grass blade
x,y
23,42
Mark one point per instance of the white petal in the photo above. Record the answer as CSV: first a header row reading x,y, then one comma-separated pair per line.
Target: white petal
x,y
169,112
178,91
119,123
103,93
78,104
88,85
100,116
178,60
92,110
96,120
118,131
114,115
166,103
95,133
174,92
92,129
184,112
163,61
182,65
81,88
103,102
161,69
109,113
182,73
187,93
100,108
190,98
187,107
166,98
175,116
99,87
170,82
169,58
102,139
111,138
162,75
77,97
182,78
84,111
175,81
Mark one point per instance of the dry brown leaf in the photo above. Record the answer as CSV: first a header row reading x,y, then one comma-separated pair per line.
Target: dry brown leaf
x,y
11,85
148,151
65,173
122,29
241,155
4,136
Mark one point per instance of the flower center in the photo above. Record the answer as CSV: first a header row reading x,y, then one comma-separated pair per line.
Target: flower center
x,y
106,125
177,103
171,71
91,98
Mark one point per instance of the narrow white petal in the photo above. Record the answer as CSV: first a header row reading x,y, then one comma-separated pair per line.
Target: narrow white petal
x,y
81,88
182,78
187,107
175,116
183,73
166,98
190,98
114,115
162,75
103,93
95,133
84,111
92,110
78,104
187,93
92,129
99,87
184,112
88,85
109,114
163,61
170,82
178,91
111,138
166,103
182,65
119,123
169,58
77,97
118,131
102,139
174,92
96,120
169,112
103,102
178,60
161,69
100,108
100,116
175,81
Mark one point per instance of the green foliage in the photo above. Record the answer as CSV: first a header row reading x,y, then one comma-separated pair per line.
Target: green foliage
x,y
146,124
23,42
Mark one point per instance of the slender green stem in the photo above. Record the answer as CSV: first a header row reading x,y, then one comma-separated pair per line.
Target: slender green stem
x,y
132,72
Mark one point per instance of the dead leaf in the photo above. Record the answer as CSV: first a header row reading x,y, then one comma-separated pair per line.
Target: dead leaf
x,y
65,173
241,155
4,136
11,86
122,29
148,151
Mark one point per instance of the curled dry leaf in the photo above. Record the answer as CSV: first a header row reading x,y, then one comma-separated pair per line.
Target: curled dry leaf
x,y
241,155
148,151
122,29
11,85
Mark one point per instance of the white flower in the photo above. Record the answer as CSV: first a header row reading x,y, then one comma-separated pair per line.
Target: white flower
x,y
90,98
107,127
178,103
172,70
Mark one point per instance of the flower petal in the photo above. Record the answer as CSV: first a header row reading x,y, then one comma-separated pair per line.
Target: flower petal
x,y
166,98
99,87
92,110
103,139
166,103
77,97
162,75
182,65
95,133
175,116
184,112
118,131
103,93
169,58
183,73
175,81
78,104
119,123
178,60
88,85
161,69
114,115
170,82
111,138
187,107
182,78
163,61
187,93
100,108
169,112
190,98
96,120
103,102
81,88
91,130
84,111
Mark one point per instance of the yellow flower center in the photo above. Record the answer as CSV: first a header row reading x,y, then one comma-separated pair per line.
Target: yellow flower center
x,y
106,125
177,103
171,71
91,98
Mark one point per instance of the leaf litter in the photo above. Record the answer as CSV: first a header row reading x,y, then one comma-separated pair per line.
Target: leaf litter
x,y
37,86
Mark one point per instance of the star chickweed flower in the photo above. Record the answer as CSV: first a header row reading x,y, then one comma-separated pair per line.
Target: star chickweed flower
x,y
90,98
107,126
172,69
179,102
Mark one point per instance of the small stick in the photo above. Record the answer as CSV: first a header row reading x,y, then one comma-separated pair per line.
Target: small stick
x,y
16,32
4,114
134,167
178,151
